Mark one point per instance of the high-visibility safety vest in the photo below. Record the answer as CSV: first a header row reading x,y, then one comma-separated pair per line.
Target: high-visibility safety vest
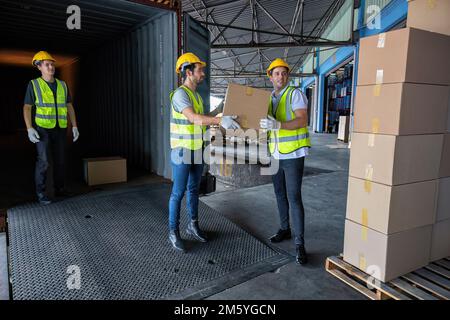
x,y
287,140
46,112
183,133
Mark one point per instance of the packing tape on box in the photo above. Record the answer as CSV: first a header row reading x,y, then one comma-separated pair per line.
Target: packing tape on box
x,y
362,262
381,40
364,233
375,126
431,4
369,172
367,186
377,90
249,91
365,217
371,140
368,178
379,78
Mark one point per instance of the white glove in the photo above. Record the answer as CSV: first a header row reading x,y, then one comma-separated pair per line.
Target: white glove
x,y
270,123
75,133
228,122
33,135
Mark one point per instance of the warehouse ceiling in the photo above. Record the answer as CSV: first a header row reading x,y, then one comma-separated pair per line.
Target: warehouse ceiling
x,y
239,56
246,62
41,24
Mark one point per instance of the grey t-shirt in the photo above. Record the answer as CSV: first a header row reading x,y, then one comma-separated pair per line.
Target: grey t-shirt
x,y
180,100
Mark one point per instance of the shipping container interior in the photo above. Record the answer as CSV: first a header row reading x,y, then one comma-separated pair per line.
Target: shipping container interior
x,y
119,67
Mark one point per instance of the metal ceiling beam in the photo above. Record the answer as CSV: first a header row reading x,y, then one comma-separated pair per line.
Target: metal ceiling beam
x,y
260,31
284,44
258,75
232,20
224,39
295,16
220,5
273,19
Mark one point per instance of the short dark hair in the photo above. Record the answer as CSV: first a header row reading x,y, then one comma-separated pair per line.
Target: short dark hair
x,y
270,72
188,67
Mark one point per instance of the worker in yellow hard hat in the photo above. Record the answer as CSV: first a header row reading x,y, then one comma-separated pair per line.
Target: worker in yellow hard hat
x,y
187,128
54,108
289,142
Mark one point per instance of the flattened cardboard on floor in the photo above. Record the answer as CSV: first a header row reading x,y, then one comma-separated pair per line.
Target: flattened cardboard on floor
x,y
404,55
443,200
105,170
395,160
249,104
388,209
440,241
430,15
386,257
445,161
401,109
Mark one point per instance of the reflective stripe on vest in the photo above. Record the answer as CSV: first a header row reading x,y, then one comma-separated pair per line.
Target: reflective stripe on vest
x,y
45,104
183,133
287,140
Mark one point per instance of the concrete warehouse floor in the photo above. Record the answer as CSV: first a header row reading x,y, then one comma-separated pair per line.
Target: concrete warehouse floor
x,y
254,210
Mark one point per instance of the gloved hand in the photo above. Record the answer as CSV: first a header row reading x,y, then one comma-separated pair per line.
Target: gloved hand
x,y
228,122
270,123
75,133
33,135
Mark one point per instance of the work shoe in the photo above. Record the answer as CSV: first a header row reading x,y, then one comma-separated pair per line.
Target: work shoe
x,y
301,255
281,235
43,200
176,241
195,231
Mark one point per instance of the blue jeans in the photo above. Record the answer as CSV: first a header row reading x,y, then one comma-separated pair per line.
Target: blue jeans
x,y
287,183
186,175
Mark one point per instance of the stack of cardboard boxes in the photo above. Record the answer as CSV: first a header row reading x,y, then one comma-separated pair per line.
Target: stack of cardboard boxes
x,y
398,206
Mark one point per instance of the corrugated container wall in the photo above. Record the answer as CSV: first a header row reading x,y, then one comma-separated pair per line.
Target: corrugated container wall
x,y
380,4
125,107
338,30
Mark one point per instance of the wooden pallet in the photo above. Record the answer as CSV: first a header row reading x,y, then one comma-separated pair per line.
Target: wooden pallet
x,y
429,283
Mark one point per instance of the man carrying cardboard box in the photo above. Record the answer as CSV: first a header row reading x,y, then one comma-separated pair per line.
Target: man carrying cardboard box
x,y
187,127
289,142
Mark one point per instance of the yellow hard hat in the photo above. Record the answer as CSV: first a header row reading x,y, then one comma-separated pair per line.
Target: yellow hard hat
x,y
42,55
190,58
277,63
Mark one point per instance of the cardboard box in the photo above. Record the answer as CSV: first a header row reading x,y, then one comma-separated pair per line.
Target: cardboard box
x,y
343,132
395,160
105,170
430,15
249,104
386,257
401,109
443,200
404,55
390,209
445,160
440,241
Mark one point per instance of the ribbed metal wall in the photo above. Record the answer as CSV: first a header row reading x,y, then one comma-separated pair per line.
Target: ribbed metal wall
x,y
338,29
125,90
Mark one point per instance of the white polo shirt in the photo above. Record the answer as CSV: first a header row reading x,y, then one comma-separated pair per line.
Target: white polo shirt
x,y
299,101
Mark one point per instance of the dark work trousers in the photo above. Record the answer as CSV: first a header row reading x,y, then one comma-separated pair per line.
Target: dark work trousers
x,y
287,183
54,141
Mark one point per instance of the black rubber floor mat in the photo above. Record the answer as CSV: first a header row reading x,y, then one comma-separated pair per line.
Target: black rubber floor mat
x,y
114,245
